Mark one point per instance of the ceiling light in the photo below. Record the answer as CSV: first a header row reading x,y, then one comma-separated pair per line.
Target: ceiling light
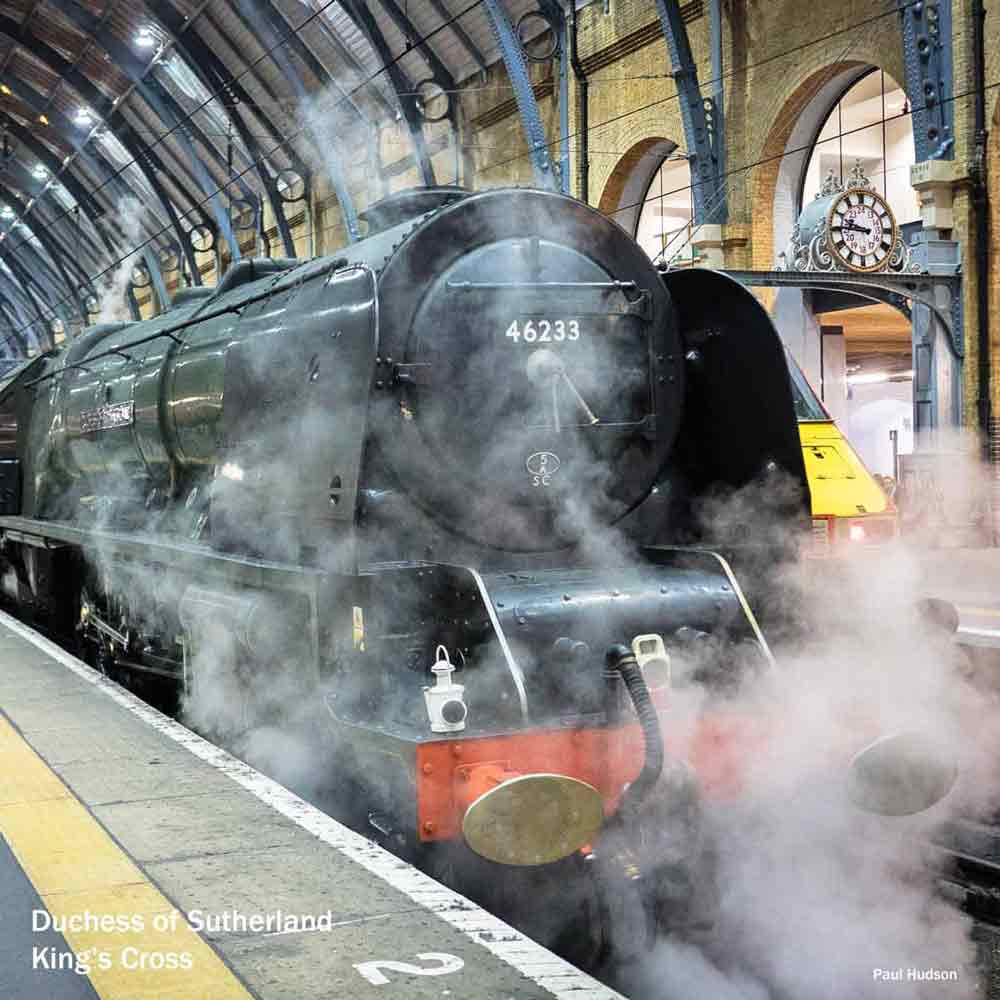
x,y
84,117
145,38
874,378
39,173
43,120
7,212
4,89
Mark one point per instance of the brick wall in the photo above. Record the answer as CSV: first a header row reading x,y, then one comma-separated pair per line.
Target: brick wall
x,y
778,55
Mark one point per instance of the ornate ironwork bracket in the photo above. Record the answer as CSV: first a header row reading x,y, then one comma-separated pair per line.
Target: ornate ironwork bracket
x,y
901,291
702,117
927,61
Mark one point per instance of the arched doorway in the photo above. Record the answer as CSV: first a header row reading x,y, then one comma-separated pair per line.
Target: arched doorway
x,y
649,195
858,355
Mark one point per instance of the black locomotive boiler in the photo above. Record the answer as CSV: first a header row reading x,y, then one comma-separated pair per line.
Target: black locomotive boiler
x,y
455,477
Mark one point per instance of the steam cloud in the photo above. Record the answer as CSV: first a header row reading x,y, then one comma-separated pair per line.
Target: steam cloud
x,y
817,898
113,306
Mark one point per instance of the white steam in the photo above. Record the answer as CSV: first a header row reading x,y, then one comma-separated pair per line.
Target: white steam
x,y
114,308
818,899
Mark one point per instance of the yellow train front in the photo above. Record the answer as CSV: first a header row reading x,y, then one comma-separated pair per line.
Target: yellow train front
x,y
850,510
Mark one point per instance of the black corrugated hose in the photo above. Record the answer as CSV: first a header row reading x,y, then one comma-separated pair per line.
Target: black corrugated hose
x,y
621,658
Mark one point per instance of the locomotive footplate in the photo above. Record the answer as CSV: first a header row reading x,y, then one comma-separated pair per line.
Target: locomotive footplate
x,y
560,756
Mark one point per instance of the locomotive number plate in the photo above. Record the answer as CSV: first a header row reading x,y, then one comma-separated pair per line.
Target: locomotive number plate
x,y
537,330
106,418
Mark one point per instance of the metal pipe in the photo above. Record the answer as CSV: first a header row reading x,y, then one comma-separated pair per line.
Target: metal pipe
x,y
980,196
563,109
622,659
583,166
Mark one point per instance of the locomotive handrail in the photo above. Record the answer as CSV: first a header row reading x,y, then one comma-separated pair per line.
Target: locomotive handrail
x,y
733,583
198,316
513,667
623,285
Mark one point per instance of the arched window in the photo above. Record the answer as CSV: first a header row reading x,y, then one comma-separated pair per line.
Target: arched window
x,y
663,228
871,123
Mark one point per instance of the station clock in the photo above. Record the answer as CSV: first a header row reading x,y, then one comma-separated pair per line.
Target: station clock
x,y
861,229
847,227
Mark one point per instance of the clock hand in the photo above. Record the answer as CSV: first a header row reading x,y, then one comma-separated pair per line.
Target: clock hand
x,y
854,227
586,409
543,365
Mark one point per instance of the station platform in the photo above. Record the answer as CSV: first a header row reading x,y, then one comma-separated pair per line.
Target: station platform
x,y
969,579
138,860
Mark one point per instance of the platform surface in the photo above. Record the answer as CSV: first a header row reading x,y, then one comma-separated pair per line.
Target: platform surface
x,y
123,834
970,579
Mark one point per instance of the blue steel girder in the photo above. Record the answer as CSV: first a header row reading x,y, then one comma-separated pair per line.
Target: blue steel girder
x,y
16,172
516,63
440,73
54,218
556,16
17,320
133,302
702,118
52,244
272,25
270,21
34,295
401,84
218,79
164,106
40,272
145,157
61,124
927,61
53,165
156,276
62,302
87,200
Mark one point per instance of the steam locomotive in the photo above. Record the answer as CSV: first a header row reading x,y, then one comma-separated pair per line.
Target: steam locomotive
x,y
455,476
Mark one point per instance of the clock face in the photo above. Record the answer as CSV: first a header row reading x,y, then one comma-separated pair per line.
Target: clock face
x,y
862,230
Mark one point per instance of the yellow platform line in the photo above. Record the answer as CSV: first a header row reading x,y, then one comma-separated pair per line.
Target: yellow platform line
x,y
77,869
979,612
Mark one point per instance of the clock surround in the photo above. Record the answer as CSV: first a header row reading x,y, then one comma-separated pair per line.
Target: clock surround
x,y
847,227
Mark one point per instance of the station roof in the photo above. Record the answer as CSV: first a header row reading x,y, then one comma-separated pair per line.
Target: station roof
x,y
167,123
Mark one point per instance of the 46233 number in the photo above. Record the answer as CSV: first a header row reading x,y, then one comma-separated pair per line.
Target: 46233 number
x,y
543,331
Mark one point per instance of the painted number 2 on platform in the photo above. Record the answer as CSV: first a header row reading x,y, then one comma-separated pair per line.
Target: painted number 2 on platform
x,y
543,331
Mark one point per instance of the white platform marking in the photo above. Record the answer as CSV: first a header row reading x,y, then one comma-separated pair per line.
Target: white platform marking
x,y
553,974
374,972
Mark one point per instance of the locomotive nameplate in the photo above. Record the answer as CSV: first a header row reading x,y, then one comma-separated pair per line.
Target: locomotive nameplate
x,y
106,418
